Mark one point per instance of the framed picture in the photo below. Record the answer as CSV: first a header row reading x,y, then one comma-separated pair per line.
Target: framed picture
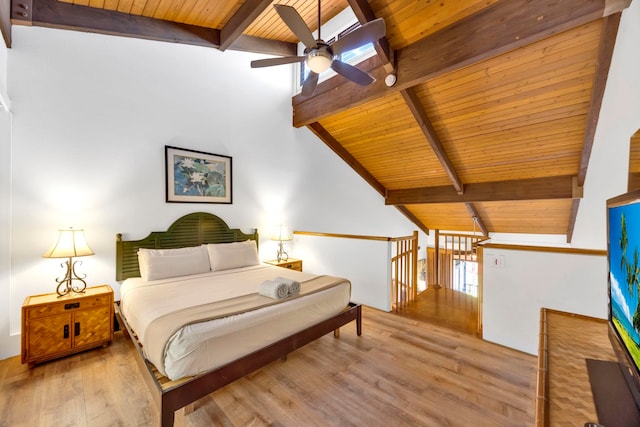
x,y
196,176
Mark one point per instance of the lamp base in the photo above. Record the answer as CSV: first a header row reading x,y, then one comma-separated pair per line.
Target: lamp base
x,y
281,254
65,284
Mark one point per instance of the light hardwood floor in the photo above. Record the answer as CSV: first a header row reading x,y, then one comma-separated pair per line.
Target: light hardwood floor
x,y
446,307
400,372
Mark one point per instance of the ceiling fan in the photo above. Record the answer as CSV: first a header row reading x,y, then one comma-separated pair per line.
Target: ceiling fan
x,y
320,56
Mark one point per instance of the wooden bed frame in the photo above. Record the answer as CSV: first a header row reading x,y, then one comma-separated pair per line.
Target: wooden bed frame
x,y
192,230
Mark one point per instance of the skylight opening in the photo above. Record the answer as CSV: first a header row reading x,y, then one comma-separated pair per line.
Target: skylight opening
x,y
351,57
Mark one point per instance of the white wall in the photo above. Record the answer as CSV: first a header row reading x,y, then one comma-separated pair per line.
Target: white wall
x,y
370,285
526,281
514,294
92,115
5,211
5,200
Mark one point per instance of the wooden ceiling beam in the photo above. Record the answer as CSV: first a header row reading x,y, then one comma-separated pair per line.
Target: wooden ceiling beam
x,y
239,22
477,219
605,54
430,133
558,187
246,43
363,11
5,22
411,217
55,14
500,28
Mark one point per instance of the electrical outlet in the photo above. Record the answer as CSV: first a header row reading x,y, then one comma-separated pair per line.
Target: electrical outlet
x,y
496,261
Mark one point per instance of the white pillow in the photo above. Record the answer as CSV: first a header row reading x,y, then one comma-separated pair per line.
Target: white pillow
x,y
223,256
158,264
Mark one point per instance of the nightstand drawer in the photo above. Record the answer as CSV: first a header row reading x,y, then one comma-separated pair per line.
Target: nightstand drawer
x,y
64,306
44,310
291,263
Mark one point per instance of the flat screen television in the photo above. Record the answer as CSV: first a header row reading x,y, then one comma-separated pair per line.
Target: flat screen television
x,y
623,253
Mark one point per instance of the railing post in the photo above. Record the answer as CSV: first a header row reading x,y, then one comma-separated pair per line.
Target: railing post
x,y
436,261
414,263
395,277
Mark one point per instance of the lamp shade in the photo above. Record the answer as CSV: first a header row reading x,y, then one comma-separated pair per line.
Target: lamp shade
x,y
281,234
70,243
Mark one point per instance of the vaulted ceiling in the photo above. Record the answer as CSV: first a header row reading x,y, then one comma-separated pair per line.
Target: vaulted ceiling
x,y
492,116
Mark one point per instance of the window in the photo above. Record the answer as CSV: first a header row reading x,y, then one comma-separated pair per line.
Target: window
x,y
465,276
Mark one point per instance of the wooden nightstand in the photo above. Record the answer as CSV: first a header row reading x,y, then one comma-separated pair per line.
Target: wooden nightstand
x,y
293,264
54,326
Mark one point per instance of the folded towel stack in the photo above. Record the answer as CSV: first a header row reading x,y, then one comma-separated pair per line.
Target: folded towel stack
x,y
293,286
280,288
274,289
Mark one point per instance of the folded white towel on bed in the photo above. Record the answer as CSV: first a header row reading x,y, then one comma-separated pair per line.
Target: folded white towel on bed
x,y
293,286
274,289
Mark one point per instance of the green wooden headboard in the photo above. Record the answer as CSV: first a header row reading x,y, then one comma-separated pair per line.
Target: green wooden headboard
x,y
191,230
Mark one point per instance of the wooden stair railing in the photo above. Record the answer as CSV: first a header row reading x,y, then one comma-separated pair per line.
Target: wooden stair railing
x,y
451,247
404,267
404,264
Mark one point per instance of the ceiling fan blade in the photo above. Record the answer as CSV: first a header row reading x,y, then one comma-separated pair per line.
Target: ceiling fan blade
x,y
352,73
370,32
259,63
297,25
310,84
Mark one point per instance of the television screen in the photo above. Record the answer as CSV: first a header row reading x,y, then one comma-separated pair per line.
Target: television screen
x,y
623,249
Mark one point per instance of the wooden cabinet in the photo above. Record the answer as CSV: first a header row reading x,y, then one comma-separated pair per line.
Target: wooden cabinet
x,y
54,326
293,264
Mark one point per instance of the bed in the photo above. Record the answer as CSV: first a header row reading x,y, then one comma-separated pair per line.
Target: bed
x,y
224,326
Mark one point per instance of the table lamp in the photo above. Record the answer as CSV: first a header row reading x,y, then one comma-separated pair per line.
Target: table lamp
x,y
71,243
281,235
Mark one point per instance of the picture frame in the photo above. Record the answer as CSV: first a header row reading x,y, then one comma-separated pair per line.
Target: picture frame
x,y
197,177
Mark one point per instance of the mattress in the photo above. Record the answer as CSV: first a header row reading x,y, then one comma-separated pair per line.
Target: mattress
x,y
204,345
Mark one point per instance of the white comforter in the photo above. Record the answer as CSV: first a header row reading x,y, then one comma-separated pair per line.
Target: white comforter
x,y
206,345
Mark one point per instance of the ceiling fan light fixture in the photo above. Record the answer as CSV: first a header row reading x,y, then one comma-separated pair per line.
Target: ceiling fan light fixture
x,y
319,60
320,56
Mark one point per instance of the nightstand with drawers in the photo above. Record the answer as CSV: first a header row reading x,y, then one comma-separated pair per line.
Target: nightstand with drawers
x,y
54,326
291,263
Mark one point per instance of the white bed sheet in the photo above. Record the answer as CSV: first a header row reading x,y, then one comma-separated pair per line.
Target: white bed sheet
x,y
207,345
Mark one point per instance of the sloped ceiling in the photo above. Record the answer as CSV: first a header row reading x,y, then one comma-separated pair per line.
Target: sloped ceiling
x,y
492,116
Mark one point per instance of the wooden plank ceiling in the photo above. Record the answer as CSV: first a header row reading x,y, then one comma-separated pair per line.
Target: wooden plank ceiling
x,y
492,116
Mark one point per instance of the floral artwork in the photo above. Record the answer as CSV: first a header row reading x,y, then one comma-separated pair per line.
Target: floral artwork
x,y
197,177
